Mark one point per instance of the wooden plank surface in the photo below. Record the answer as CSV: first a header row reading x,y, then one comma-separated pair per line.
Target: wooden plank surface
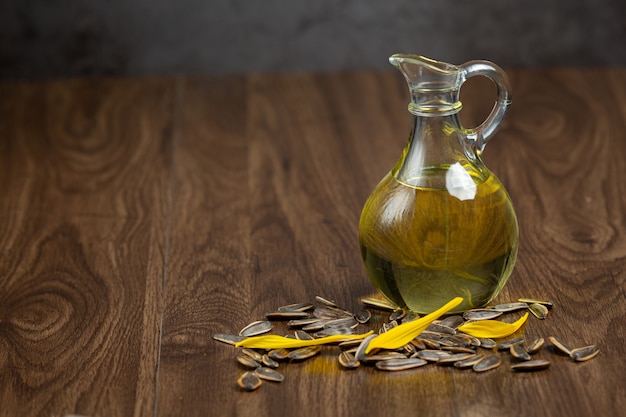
x,y
85,177
202,204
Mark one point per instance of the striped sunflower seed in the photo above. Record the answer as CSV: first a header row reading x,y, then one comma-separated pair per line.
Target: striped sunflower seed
x,y
304,353
286,315
278,354
379,304
230,339
534,365
490,361
325,301
249,381
269,374
452,321
296,307
508,307
539,310
256,328
302,335
269,362
535,346
519,352
487,343
584,353
248,362
482,314
546,303
560,345
348,361
400,364
252,354
506,345
469,362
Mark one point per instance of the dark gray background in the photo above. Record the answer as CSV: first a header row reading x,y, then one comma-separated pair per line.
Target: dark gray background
x,y
54,38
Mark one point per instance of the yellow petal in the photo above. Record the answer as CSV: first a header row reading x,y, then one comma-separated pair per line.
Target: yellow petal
x,y
404,333
492,329
278,342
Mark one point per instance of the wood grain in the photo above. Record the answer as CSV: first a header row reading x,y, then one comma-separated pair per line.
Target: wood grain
x,y
207,202
83,224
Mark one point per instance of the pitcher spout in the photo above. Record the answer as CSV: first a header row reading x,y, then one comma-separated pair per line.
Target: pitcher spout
x,y
434,85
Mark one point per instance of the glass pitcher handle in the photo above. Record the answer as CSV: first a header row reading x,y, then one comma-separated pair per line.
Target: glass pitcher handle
x,y
481,134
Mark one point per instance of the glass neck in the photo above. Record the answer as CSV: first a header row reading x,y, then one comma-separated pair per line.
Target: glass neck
x,y
435,144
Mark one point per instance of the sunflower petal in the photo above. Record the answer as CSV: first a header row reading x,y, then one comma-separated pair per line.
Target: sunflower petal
x,y
276,342
404,333
492,329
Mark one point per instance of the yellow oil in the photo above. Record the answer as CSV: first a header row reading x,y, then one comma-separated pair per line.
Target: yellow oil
x,y
422,246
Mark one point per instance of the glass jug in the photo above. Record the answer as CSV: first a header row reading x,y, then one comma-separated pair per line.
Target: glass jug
x,y
440,224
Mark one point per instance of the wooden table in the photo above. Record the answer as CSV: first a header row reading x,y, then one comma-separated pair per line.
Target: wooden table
x,y
139,217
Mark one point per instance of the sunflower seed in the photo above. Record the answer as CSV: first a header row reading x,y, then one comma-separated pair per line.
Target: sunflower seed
x,y
304,353
539,310
534,365
439,328
383,356
278,354
458,349
490,361
546,303
252,354
469,362
348,361
302,335
363,316
410,316
303,322
388,326
487,343
519,352
256,328
508,307
269,374
379,304
584,353
427,335
342,322
313,327
330,313
248,362
325,301
334,331
459,340
535,346
560,345
296,307
452,321
400,364
418,344
349,344
397,314
433,355
286,315
360,352
249,381
506,345
430,344
409,349
456,357
269,362
482,314
230,339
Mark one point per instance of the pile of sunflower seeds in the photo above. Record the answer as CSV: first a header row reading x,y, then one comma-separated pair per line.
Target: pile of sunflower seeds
x,y
439,344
